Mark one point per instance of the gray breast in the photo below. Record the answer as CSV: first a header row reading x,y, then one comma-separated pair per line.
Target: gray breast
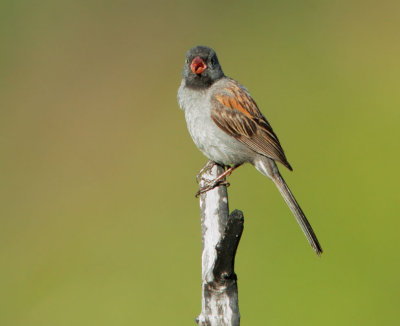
x,y
212,141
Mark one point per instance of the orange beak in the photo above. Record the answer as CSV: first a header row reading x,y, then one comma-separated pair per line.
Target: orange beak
x,y
198,66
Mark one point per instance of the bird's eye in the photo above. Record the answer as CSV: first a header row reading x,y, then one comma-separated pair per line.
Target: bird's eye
x,y
213,61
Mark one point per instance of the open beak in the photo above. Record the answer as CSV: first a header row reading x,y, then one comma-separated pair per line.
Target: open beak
x,y
198,66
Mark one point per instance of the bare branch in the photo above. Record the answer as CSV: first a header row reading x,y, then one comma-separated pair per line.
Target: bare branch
x,y
220,237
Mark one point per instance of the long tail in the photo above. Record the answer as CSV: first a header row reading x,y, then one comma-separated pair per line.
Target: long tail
x,y
268,167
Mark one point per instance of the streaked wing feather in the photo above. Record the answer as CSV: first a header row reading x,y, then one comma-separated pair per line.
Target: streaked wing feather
x,y
236,113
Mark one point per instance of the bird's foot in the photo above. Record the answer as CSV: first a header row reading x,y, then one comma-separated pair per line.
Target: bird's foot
x,y
213,184
220,180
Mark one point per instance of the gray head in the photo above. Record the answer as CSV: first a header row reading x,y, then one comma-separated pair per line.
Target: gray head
x,y
201,68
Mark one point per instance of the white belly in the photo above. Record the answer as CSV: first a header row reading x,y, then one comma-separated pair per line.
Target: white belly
x,y
212,141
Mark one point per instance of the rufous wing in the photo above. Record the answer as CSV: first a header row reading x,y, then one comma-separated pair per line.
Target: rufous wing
x,y
236,113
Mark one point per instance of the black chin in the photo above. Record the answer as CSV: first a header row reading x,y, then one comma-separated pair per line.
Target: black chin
x,y
201,81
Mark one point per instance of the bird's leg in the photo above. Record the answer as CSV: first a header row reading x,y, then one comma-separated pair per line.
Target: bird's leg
x,y
218,180
210,164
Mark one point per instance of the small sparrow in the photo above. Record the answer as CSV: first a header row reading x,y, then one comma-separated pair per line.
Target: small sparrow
x,y
227,127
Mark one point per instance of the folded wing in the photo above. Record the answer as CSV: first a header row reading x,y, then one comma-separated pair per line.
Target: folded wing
x,y
236,113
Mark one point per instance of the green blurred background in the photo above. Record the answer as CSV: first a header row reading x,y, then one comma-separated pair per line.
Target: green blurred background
x,y
98,222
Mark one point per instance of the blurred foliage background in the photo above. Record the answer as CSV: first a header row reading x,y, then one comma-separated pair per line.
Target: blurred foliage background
x,y
98,222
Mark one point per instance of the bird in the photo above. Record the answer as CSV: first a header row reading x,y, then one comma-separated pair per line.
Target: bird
x,y
227,126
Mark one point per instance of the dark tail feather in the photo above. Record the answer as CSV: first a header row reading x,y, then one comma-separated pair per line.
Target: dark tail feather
x,y
297,212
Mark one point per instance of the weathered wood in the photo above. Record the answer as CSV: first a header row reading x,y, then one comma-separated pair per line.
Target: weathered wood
x,y
221,234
